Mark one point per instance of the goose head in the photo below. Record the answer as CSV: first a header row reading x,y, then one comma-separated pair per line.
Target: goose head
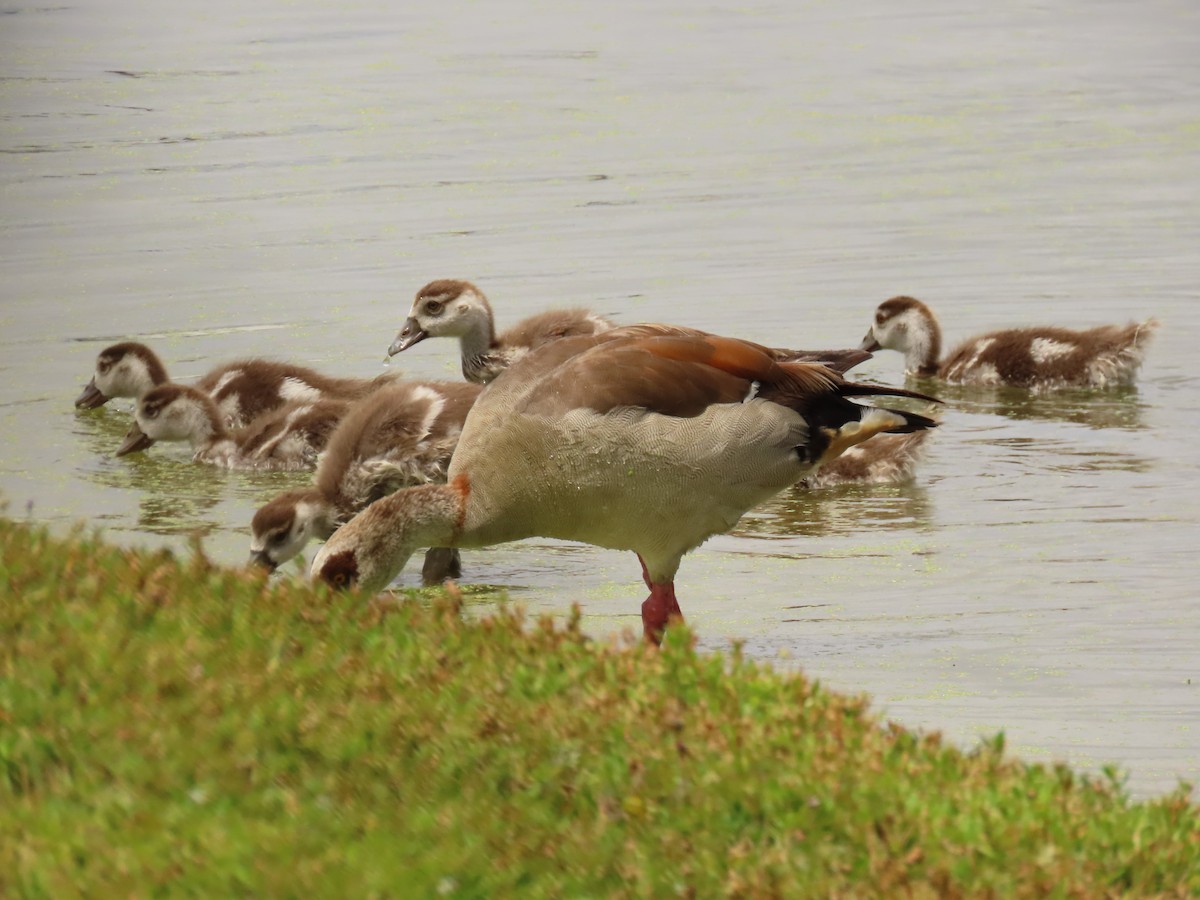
x,y
907,325
123,370
447,308
173,412
368,551
281,529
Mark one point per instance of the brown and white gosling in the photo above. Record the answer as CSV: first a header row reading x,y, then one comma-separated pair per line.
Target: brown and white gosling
x,y
1040,359
243,389
884,459
453,308
289,437
645,438
402,435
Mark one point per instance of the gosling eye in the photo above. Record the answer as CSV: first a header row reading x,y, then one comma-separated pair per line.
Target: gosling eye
x,y
880,317
150,412
433,307
276,539
103,366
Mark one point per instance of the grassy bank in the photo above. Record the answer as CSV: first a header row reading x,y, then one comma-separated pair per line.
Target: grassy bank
x,y
169,727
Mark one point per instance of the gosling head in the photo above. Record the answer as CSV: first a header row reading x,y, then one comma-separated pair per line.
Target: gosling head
x,y
907,325
127,369
282,528
176,412
444,308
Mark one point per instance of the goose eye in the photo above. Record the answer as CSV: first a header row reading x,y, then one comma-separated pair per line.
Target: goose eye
x,y
433,307
276,539
150,412
103,366
880,317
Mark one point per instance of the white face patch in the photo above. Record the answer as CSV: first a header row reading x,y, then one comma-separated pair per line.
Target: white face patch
x,y
752,393
1043,350
134,373
295,389
911,332
183,419
459,317
900,331
128,378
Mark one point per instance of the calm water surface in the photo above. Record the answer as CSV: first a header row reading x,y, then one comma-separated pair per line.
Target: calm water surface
x,y
278,179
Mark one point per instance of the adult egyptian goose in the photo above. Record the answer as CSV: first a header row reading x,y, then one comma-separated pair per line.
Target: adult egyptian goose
x,y
644,438
453,308
400,436
243,389
1036,358
289,437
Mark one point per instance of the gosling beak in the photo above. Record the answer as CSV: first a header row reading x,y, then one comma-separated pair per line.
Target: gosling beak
x,y
411,333
135,441
260,558
869,343
91,396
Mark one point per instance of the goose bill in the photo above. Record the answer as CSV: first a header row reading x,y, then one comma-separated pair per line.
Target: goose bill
x,y
135,441
91,397
411,333
260,558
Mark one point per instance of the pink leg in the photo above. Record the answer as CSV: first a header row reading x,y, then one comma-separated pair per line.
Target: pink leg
x,y
645,572
658,609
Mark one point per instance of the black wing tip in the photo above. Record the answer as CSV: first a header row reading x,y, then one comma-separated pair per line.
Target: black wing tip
x,y
912,422
859,389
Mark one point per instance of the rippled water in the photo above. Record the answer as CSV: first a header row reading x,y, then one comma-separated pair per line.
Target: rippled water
x,y
278,179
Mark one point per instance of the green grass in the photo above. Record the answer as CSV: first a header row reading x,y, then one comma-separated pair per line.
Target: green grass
x,y
168,727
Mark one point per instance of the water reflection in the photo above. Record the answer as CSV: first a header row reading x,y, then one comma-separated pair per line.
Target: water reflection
x,y
101,430
1034,453
259,487
1114,408
175,495
839,510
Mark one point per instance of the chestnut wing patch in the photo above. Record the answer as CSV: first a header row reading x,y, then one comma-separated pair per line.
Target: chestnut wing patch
x,y
675,374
